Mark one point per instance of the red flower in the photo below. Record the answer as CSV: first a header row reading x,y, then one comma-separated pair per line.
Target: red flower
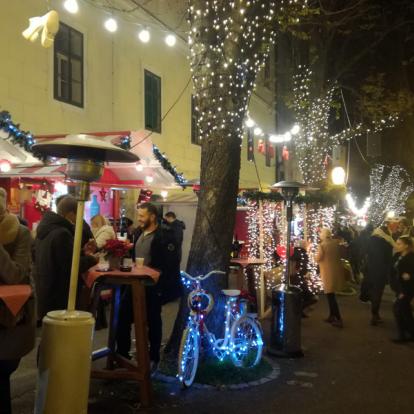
x,y
116,247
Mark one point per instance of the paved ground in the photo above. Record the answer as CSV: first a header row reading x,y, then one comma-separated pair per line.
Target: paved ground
x,y
356,369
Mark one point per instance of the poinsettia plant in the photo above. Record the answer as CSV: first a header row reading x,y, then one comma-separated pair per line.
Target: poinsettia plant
x,y
116,248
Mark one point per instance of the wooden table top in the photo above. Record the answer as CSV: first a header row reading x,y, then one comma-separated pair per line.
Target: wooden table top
x,y
141,272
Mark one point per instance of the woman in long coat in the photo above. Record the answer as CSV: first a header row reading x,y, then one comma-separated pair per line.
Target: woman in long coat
x,y
332,274
17,338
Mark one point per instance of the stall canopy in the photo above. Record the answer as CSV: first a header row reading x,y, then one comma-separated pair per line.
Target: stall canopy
x,y
154,169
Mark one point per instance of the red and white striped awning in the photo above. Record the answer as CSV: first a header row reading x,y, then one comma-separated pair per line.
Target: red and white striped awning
x,y
115,174
37,171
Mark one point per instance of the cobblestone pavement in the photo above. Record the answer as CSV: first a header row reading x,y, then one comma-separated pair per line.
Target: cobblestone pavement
x,y
355,369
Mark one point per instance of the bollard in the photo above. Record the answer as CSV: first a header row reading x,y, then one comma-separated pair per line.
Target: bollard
x,y
64,363
285,335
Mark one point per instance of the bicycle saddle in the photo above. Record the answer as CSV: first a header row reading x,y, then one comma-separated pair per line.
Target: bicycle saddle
x,y
231,292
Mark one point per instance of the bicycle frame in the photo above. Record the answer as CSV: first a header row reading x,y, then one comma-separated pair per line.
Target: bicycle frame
x,y
221,346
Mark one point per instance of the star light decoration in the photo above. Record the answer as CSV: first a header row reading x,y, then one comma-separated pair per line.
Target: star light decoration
x,y
314,142
229,42
390,187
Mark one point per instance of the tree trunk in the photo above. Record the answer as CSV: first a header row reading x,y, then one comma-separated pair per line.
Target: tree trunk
x,y
214,225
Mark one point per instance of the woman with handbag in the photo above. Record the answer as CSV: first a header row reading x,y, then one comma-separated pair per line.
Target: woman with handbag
x,y
17,333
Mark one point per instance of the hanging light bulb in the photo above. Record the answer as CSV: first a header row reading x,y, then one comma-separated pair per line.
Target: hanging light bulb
x,y
111,25
5,166
258,131
71,6
295,129
249,123
164,194
149,178
144,35
170,40
338,176
139,167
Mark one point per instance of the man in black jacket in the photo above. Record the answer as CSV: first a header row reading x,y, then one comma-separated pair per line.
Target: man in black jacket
x,y
157,245
53,256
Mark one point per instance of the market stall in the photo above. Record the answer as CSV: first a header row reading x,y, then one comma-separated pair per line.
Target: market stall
x,y
34,184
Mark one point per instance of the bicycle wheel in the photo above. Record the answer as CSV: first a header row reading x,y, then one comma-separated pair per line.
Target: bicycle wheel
x,y
246,342
188,356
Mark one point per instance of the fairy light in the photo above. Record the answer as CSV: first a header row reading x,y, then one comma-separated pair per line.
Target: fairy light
x,y
358,212
221,75
314,142
390,188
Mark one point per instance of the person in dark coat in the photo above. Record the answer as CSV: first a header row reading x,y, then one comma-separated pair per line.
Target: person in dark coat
x,y
178,227
379,262
53,256
157,245
404,288
17,337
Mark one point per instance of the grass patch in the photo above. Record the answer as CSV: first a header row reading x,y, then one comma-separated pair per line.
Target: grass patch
x,y
213,372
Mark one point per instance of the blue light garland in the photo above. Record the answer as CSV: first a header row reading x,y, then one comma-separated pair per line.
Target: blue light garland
x,y
125,143
16,136
163,160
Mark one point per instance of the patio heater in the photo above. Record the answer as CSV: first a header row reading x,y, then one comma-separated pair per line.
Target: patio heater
x,y
66,345
285,339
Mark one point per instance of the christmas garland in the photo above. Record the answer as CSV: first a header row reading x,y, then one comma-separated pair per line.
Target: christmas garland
x,y
165,163
325,197
22,138
125,143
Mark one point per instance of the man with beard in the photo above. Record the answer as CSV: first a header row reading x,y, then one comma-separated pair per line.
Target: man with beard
x,y
158,247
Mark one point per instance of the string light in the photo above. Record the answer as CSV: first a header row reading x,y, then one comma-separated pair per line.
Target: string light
x,y
390,188
358,212
144,35
314,142
71,6
220,75
170,40
111,25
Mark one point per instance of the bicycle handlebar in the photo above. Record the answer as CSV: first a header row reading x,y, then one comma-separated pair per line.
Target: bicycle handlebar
x,y
201,277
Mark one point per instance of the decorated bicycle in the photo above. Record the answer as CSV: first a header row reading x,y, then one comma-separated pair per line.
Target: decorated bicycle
x,y
242,341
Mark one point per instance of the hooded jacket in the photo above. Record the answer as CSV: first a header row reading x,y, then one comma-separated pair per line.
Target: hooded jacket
x,y
15,246
53,261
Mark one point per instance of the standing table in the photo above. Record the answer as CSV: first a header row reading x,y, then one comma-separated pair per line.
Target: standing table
x,y
138,278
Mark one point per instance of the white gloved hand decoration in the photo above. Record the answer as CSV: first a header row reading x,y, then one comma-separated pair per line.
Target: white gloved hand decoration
x,y
48,24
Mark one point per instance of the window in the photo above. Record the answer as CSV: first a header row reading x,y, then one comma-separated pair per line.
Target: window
x,y
68,66
195,136
152,102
